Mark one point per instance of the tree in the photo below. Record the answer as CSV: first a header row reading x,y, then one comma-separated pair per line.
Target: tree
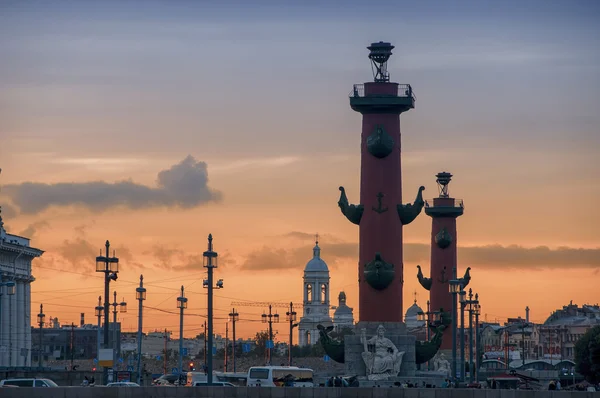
x,y
260,340
587,355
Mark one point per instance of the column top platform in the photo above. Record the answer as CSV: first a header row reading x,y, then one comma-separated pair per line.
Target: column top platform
x,y
375,97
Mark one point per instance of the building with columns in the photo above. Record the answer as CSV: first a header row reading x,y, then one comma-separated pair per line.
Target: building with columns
x,y
16,256
316,299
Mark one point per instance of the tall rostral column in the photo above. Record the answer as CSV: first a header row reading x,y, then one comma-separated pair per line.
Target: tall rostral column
x,y
443,210
380,214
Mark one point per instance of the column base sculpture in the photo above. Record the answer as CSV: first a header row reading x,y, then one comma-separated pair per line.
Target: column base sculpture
x,y
387,354
382,358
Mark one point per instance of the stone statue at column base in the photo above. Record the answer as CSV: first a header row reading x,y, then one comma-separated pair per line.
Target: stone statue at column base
x,y
441,364
381,357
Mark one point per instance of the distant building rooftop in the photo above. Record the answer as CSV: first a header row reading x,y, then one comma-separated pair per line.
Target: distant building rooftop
x,y
572,314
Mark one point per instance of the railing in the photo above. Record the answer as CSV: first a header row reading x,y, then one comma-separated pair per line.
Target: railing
x,y
457,203
404,90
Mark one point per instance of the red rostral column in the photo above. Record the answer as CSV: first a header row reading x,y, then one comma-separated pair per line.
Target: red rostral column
x,y
380,214
443,211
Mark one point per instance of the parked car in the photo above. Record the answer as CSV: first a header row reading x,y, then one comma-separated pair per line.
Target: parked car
x,y
169,379
214,383
28,383
122,384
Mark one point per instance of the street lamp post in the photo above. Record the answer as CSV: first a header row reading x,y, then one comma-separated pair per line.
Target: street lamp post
x,y
234,317
40,319
291,318
471,307
463,303
11,289
210,263
455,287
140,295
98,312
110,267
122,309
429,321
181,304
476,312
270,318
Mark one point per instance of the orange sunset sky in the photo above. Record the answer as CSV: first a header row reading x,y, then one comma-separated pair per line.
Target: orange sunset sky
x,y
154,127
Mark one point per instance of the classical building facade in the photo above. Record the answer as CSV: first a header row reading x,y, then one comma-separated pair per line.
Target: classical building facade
x,y
343,317
66,342
562,329
316,299
16,256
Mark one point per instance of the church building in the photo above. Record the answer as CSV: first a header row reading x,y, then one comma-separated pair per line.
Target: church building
x,y
343,317
316,299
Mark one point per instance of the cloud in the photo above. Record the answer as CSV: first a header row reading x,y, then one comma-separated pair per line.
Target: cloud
x,y
33,228
513,256
268,258
183,185
102,164
336,252
176,259
79,254
7,212
311,237
247,164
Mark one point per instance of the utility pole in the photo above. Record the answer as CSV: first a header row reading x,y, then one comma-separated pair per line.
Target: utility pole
x,y
205,341
40,318
270,318
116,343
99,309
110,267
140,295
226,343
234,316
72,342
165,361
210,263
181,304
291,318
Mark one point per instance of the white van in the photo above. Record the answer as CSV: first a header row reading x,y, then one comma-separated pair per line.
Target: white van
x,y
28,383
195,377
279,376
200,377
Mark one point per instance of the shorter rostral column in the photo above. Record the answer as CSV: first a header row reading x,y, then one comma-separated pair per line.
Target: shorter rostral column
x,y
380,214
443,210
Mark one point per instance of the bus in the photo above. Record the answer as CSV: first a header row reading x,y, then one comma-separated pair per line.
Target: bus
x,y
279,376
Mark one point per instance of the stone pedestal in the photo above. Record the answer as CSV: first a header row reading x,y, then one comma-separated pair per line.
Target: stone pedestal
x,y
395,331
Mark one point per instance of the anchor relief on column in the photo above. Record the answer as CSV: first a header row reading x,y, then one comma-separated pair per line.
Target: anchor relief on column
x,y
410,211
352,212
380,208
